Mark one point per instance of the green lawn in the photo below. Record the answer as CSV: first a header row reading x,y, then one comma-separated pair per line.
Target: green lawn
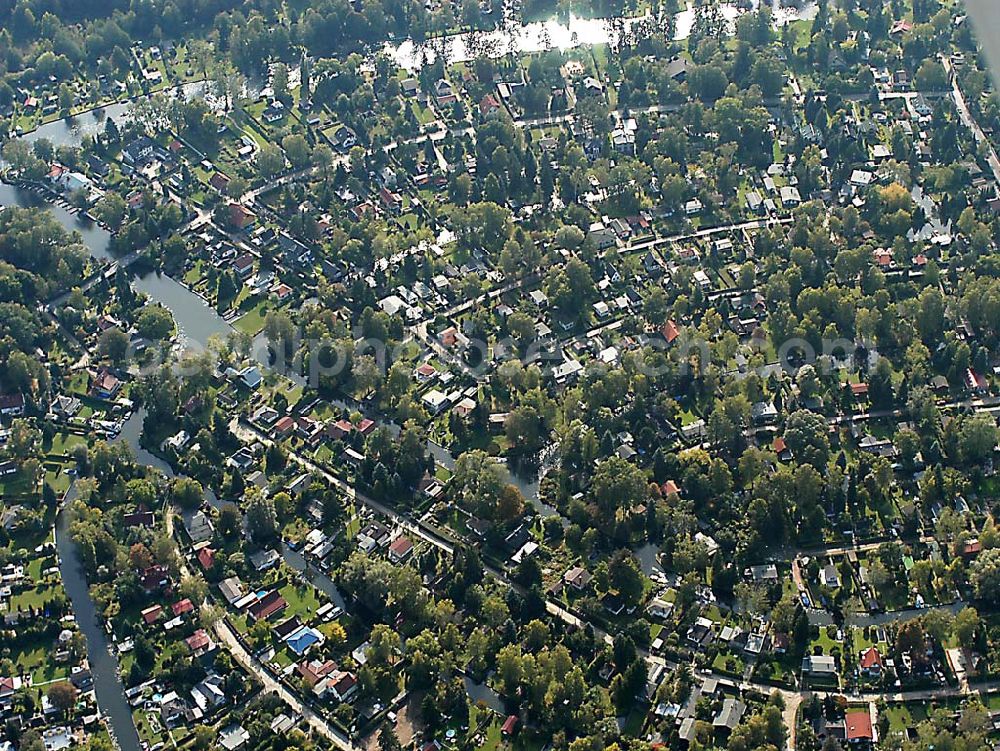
x,y
34,658
302,600
252,321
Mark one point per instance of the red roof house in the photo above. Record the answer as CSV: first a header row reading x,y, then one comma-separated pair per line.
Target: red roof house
x,y
858,726
206,557
509,725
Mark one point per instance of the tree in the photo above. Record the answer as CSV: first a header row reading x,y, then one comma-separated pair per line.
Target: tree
x,y
297,150
521,326
707,82
110,209
481,484
230,521
978,437
270,161
807,436
187,493
930,76
113,344
154,322
618,484
62,695
966,626
985,576
624,576
203,738
262,520
387,740
279,82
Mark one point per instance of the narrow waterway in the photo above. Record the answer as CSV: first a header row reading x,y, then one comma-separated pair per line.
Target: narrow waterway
x,y
103,663
96,238
131,433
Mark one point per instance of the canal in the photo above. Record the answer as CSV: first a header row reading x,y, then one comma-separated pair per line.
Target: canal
x,y
103,663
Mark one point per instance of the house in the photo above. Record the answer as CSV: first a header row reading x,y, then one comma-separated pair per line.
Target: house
x,y
267,607
670,332
303,639
729,715
578,578
219,181
700,632
65,406
509,726
174,711
859,390
251,377
8,687
243,266
299,485
489,106
104,384
780,448
392,201
862,178
830,576
373,535
274,112
435,401
677,68
601,236
670,488
790,196
623,138
870,662
145,519
240,217
283,427
342,685
182,608
975,382
539,299
819,665
151,614
231,589
138,151
425,373
693,207
199,642
262,560
233,737
209,694
313,671
206,558
444,92
400,549
660,608
199,527
764,413
764,573
154,579
858,729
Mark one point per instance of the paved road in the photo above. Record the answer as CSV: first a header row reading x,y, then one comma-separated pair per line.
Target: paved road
x,y
225,634
250,663
246,432
970,121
